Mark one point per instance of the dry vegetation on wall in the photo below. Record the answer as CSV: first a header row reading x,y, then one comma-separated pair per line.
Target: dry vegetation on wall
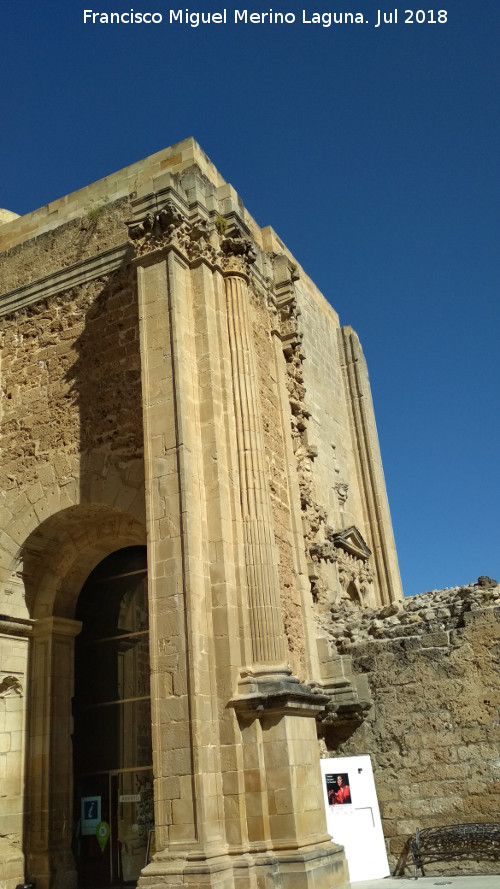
x,y
433,665
98,228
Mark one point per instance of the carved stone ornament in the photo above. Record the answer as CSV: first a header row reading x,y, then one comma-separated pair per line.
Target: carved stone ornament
x,y
157,226
289,324
10,686
196,239
238,254
354,574
342,489
353,562
289,328
168,226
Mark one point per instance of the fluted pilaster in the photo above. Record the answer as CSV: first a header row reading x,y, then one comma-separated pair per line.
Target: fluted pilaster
x,y
260,552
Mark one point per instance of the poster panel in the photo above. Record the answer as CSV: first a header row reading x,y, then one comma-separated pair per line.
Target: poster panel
x,y
353,815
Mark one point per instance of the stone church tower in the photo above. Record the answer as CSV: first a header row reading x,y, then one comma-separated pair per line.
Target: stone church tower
x,y
190,480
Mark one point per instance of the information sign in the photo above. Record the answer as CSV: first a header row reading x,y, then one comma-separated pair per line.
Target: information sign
x,y
90,814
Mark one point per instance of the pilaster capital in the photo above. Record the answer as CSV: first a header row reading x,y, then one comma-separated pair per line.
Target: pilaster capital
x,y
196,239
170,227
237,254
56,626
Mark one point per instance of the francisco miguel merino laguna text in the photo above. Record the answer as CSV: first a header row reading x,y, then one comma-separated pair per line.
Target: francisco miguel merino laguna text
x,y
240,16
236,16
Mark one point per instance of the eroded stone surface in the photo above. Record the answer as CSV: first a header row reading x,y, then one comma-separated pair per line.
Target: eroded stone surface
x,y
172,378
433,732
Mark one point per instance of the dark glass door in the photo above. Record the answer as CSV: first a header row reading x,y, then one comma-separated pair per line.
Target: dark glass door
x,y
112,735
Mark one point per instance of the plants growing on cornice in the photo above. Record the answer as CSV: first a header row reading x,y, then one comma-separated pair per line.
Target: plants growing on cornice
x,y
221,225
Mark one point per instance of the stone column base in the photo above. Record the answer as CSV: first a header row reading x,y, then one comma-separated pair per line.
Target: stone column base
x,y
208,873
318,867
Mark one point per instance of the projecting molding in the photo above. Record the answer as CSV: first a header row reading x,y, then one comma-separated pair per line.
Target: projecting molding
x,y
97,266
352,542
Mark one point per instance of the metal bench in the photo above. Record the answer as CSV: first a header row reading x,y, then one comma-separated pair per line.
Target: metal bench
x,y
480,841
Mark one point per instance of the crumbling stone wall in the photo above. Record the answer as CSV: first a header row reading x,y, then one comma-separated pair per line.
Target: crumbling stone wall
x,y
71,383
273,432
100,226
432,663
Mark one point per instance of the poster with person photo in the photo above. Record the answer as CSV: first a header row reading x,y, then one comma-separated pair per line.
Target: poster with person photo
x,y
338,789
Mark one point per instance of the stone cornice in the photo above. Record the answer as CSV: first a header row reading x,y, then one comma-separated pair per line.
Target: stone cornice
x,y
352,542
56,626
86,270
15,626
278,694
199,237
196,238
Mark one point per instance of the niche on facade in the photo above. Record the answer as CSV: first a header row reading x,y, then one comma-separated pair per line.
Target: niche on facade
x,y
352,556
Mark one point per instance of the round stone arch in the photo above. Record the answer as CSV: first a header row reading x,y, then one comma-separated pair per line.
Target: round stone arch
x,y
31,527
59,555
56,559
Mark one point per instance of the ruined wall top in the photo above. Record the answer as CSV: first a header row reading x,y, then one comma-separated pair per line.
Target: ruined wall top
x,y
426,613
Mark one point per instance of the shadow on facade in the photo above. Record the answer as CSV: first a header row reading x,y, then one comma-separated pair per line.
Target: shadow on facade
x,y
103,513
105,383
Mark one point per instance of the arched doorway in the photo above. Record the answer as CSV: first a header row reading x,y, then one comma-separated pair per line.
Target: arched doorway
x,y
112,752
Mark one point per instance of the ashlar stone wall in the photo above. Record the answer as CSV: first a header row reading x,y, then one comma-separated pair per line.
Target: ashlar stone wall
x,y
346,519
71,470
13,664
172,378
433,667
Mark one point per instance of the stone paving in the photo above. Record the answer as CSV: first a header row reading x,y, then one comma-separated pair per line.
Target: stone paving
x,y
476,881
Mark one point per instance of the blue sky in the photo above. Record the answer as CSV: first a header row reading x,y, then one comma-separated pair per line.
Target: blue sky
x,y
373,152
